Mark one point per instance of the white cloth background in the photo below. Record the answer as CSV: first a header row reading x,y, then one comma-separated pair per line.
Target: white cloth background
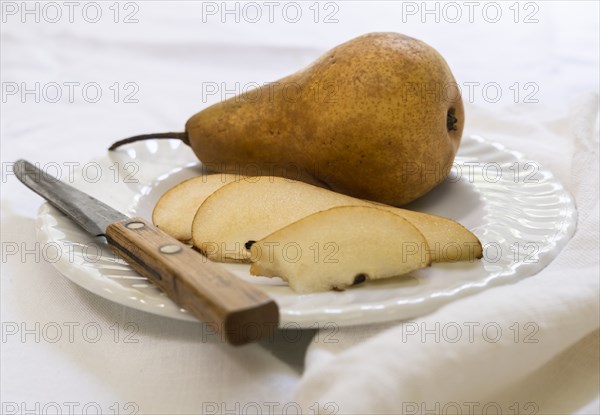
x,y
176,367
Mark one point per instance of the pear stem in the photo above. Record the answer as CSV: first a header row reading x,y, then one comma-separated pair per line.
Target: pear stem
x,y
183,136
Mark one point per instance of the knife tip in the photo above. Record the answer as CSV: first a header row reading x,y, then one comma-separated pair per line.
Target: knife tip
x,y
21,167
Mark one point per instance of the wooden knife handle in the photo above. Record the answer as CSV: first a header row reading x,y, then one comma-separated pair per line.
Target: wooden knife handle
x,y
241,311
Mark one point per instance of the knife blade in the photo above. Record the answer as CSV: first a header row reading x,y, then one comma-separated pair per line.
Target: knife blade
x,y
242,312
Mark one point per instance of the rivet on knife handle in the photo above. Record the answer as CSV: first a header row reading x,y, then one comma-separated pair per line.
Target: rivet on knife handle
x,y
242,312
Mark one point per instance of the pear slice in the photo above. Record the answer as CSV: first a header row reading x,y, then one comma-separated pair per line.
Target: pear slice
x,y
175,210
251,209
254,207
448,240
340,247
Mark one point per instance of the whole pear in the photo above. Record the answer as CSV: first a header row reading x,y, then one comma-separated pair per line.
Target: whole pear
x,y
379,117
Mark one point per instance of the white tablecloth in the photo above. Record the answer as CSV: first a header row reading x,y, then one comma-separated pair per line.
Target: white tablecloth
x,y
64,348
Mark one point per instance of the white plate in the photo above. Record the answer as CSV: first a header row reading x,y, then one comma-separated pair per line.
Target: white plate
x,y
521,213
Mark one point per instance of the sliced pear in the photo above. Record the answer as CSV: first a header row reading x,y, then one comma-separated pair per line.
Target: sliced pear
x,y
252,208
448,240
175,210
340,247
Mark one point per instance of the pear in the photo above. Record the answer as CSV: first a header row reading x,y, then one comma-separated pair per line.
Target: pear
x,y
247,210
340,247
175,210
379,117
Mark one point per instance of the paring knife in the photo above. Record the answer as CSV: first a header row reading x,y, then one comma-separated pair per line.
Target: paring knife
x,y
241,311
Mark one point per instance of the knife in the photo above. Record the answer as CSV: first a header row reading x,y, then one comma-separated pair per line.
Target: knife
x,y
241,311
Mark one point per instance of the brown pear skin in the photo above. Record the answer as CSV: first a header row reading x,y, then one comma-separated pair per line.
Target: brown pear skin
x,y
379,117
